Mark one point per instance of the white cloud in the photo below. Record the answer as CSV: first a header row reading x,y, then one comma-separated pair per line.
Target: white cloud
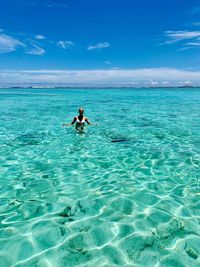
x,y
35,50
65,44
176,36
193,43
98,46
197,23
108,62
39,37
56,5
187,83
30,44
165,83
44,3
196,10
150,76
152,82
9,44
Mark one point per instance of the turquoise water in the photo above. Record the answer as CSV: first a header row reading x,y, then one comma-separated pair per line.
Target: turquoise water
x,y
82,200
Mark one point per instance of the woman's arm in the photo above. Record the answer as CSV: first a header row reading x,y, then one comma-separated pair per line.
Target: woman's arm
x,y
70,124
88,122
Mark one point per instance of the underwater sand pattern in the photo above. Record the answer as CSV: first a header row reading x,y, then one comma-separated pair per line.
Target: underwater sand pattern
x,y
88,200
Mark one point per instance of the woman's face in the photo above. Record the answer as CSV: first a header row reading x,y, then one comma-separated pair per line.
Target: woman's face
x,y
81,111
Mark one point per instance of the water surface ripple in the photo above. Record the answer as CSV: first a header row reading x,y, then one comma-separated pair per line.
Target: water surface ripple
x,y
88,200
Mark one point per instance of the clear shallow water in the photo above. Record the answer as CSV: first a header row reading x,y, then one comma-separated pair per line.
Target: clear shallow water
x,y
81,200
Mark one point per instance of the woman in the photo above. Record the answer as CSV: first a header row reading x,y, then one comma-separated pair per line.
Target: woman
x,y
80,121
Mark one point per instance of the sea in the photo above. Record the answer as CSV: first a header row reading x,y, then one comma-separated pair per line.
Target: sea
x,y
126,192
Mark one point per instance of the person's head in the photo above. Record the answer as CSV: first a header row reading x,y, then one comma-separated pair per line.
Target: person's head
x,y
81,111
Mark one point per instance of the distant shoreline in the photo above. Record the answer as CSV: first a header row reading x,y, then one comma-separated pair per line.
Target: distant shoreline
x,y
95,87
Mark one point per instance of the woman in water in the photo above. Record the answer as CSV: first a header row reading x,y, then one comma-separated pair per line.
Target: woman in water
x,y
80,121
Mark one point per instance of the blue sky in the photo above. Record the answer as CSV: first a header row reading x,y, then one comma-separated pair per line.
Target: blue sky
x,y
100,41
